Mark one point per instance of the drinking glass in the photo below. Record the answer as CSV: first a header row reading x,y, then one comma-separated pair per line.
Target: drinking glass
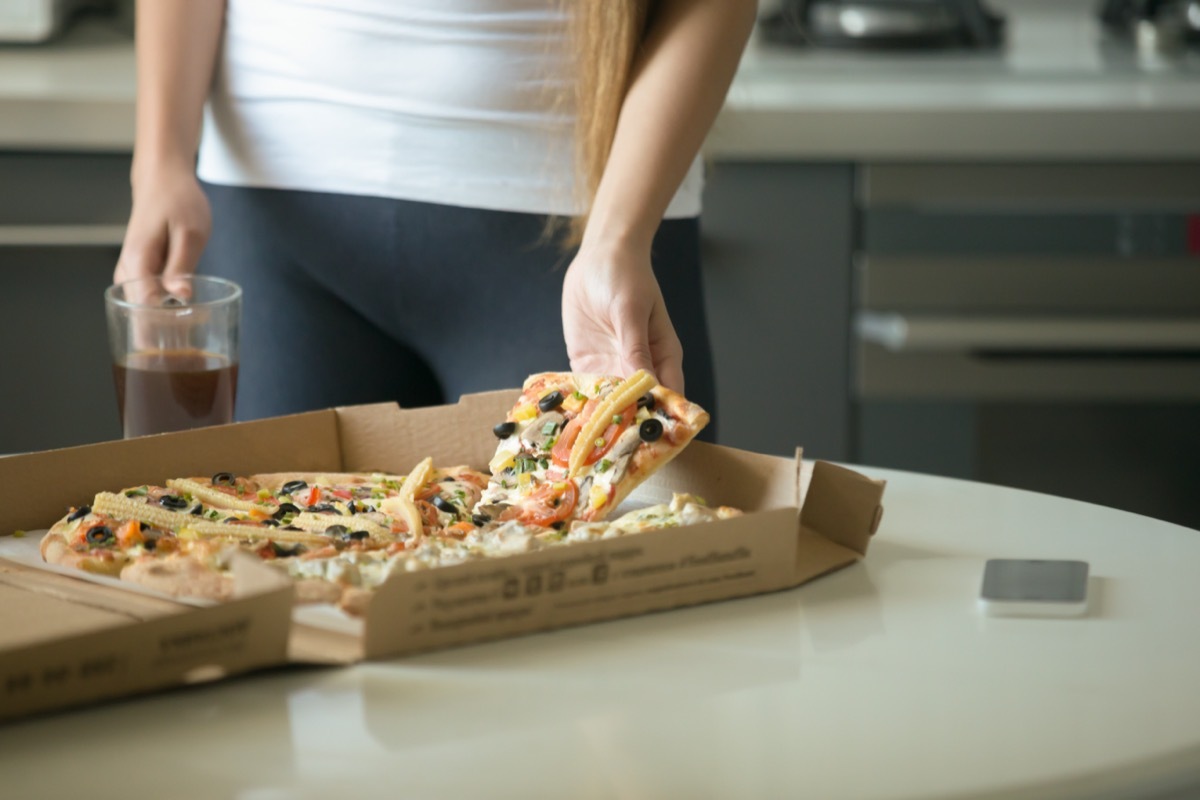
x,y
174,344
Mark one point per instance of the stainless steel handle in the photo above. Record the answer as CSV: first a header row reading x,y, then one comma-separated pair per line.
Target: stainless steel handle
x,y
940,334
61,235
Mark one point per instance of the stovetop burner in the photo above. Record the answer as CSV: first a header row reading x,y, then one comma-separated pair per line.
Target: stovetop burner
x,y
884,23
1153,24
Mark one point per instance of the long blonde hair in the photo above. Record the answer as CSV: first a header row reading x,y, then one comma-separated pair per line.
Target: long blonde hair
x,y
606,35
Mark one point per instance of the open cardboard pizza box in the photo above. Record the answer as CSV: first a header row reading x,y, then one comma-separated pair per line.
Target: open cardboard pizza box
x,y
67,640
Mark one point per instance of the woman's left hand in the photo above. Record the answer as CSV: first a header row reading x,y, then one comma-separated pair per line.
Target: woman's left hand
x,y
614,318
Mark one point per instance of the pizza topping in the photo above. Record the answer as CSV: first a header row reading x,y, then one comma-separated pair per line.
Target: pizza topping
x,y
539,434
598,496
173,502
130,534
291,487
403,504
223,479
77,513
622,399
443,504
285,509
545,505
651,430
564,449
98,535
646,401
551,401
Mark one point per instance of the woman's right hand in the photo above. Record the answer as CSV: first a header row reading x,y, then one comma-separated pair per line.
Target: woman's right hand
x,y
168,227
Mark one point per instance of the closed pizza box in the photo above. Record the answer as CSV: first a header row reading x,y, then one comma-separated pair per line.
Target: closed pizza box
x,y
803,520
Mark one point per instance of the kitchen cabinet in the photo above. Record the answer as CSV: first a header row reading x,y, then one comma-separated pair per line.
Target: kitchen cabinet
x,y
777,238
61,220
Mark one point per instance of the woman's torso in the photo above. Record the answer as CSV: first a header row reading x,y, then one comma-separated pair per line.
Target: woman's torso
x,y
461,102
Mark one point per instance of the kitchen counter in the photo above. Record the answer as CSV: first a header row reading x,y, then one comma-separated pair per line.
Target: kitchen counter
x,y
1057,90
76,93
879,682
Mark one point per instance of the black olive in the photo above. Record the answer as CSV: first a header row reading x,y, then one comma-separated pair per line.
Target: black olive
x,y
480,520
337,530
505,430
356,536
646,401
287,549
142,526
289,528
284,509
99,534
150,544
271,523
198,510
651,430
551,401
82,511
173,502
230,519
443,504
223,479
319,507
293,486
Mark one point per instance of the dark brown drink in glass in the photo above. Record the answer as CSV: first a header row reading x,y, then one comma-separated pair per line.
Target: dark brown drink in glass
x,y
174,390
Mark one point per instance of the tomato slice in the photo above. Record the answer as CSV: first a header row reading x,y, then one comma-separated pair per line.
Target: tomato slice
x,y
546,505
562,448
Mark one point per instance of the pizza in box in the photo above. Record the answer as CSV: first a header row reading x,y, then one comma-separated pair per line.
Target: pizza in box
x,y
570,450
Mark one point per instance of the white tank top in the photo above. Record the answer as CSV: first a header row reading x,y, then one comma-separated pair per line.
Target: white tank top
x,y
441,101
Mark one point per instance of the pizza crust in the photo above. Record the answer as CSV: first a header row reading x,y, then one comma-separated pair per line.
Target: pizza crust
x,y
180,574
56,548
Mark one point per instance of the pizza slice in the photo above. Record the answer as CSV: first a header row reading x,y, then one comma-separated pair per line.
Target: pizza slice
x,y
575,445
683,509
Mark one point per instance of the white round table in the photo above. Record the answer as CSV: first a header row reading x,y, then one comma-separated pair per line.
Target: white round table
x,y
879,681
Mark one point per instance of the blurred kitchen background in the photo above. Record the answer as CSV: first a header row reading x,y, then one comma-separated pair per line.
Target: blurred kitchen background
x,y
949,236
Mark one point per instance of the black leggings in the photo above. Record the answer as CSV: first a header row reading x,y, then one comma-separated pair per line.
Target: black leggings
x,y
354,299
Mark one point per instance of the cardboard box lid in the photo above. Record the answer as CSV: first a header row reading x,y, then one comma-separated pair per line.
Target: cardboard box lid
x,y
64,642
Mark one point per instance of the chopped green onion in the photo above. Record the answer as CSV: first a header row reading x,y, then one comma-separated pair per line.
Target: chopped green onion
x,y
578,395
138,492
549,428
603,465
617,419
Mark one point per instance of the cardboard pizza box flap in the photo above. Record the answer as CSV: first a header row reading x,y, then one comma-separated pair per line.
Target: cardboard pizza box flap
x,y
65,642
384,437
842,506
